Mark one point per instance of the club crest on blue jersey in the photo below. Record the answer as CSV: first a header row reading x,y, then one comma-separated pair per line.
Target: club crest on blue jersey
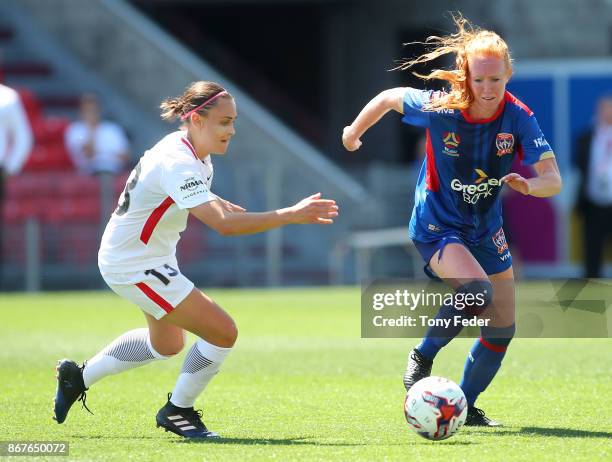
x,y
504,143
499,239
451,143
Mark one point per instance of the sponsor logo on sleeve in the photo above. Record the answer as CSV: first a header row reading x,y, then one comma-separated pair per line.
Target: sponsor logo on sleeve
x,y
504,143
192,186
435,95
541,142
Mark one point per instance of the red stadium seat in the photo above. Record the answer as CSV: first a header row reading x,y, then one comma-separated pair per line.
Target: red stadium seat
x,y
27,69
119,183
13,245
78,244
18,211
21,186
49,152
192,245
69,210
86,210
31,104
53,197
50,130
51,211
49,157
71,185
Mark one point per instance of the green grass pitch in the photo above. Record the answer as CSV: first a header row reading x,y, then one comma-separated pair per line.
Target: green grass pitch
x,y
300,385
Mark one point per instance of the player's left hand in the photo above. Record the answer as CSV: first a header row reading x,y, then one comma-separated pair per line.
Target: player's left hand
x,y
517,182
314,210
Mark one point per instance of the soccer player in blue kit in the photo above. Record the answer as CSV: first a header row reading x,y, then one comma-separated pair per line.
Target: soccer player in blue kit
x,y
474,130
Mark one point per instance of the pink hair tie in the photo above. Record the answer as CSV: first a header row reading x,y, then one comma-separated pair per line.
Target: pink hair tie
x,y
208,101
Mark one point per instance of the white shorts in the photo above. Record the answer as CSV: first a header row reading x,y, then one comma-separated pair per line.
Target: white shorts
x,y
156,291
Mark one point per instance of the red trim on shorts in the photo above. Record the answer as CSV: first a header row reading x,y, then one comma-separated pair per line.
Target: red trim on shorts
x,y
154,218
432,181
492,347
191,148
155,297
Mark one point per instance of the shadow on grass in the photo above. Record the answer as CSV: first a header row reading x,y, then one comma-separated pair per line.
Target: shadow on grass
x,y
112,437
264,441
301,442
565,432
423,442
543,431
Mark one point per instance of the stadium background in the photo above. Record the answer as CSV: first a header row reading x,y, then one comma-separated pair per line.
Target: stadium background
x,y
301,384
300,71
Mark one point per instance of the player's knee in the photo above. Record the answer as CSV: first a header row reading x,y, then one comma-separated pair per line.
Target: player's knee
x,y
477,295
227,335
170,346
231,333
171,349
176,347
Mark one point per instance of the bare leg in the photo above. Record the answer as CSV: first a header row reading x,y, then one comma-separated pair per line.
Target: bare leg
x,y
217,333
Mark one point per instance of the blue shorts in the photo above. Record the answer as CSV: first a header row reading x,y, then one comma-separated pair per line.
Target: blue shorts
x,y
491,253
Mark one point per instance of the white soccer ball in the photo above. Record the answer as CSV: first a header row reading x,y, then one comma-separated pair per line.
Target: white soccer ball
x,y
435,408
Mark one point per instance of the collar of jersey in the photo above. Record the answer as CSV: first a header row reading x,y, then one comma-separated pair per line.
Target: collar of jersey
x,y
499,110
192,149
190,146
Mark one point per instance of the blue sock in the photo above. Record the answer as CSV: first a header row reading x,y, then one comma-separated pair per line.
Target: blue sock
x,y
438,337
484,360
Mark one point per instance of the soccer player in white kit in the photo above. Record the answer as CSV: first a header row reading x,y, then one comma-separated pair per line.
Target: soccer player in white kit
x,y
137,258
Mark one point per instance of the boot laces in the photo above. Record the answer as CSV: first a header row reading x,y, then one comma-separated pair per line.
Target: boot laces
x,y
83,396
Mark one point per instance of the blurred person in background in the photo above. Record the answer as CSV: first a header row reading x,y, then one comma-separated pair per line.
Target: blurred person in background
x,y
15,143
474,131
137,258
593,159
96,145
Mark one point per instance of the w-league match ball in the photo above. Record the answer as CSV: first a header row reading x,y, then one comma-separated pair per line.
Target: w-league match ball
x,y
435,408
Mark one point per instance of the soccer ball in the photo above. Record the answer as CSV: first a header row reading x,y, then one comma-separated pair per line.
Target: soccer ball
x,y
435,408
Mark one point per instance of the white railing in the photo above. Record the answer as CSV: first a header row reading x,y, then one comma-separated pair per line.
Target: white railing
x,y
364,243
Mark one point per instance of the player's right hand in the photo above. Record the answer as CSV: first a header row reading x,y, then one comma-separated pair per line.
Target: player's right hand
x,y
349,140
314,210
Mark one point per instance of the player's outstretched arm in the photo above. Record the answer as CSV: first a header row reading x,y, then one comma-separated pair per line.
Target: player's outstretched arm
x,y
547,182
310,210
229,206
370,114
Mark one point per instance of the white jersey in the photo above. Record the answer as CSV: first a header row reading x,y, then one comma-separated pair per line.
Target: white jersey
x,y
15,132
144,229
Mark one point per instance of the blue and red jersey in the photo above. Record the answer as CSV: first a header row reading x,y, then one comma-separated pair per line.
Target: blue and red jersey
x,y
458,189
